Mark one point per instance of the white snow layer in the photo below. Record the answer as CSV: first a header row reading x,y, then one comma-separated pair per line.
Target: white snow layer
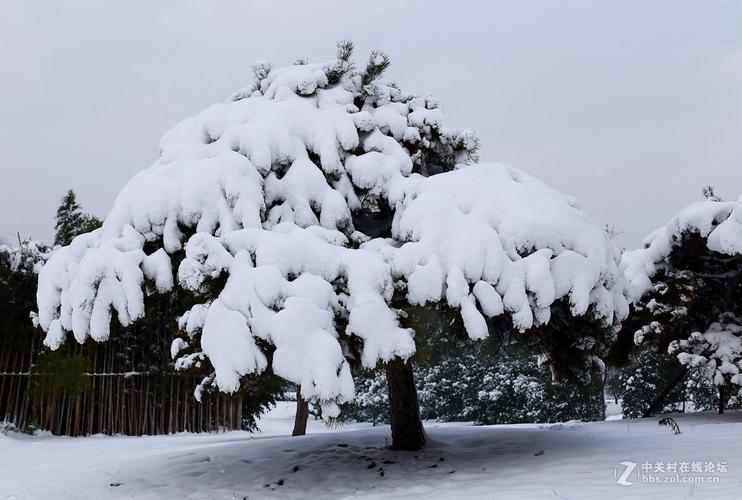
x,y
574,460
494,233
720,222
268,184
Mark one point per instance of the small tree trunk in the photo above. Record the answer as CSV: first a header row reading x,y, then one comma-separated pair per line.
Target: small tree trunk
x,y
659,400
721,399
302,414
404,412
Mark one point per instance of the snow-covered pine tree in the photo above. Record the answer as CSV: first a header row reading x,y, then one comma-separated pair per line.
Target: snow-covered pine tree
x,y
71,220
686,284
648,372
19,264
310,211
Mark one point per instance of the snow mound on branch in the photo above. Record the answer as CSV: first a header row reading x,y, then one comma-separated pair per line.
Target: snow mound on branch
x,y
720,222
218,193
82,284
294,315
493,235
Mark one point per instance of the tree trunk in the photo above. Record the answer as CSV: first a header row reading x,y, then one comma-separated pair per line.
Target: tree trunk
x,y
659,400
404,412
302,414
721,399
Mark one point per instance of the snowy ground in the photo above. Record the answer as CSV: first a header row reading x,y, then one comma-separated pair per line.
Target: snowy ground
x,y
572,460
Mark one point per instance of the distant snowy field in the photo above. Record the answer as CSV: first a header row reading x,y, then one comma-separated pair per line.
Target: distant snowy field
x,y
571,460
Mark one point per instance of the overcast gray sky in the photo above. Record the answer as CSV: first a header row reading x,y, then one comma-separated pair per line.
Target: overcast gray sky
x,y
632,106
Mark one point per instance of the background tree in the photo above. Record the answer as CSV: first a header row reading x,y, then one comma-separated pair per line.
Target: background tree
x,y
687,289
647,373
71,220
18,280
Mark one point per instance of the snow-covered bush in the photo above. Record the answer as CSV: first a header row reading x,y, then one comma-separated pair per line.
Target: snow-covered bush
x,y
518,390
309,210
715,355
471,384
371,402
449,389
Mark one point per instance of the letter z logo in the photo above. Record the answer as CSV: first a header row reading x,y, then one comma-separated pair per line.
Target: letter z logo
x,y
623,478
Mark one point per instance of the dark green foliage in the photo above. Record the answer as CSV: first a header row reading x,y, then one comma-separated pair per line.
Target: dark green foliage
x,y
649,372
371,403
506,387
59,372
261,392
613,384
378,62
703,395
71,221
497,380
18,293
344,62
570,346
643,377
518,390
478,383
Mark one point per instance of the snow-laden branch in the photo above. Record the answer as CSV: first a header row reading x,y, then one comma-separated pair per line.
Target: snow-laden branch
x,y
719,222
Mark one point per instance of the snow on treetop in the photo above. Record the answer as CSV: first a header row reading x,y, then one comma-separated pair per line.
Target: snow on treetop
x,y
492,233
719,222
270,190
